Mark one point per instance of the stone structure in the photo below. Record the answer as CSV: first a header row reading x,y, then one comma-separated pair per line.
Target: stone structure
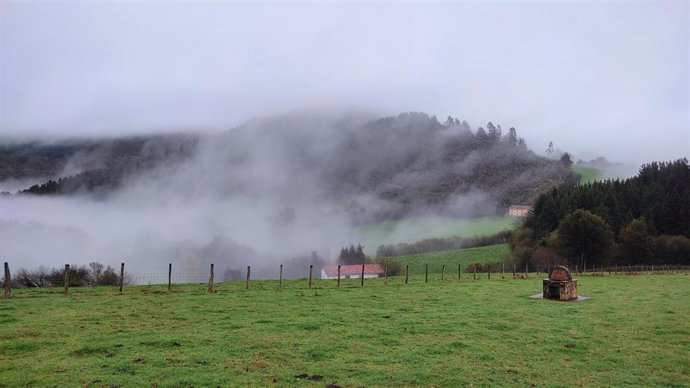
x,y
560,285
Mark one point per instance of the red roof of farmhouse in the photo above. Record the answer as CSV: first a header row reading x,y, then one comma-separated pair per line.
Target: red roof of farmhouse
x,y
356,269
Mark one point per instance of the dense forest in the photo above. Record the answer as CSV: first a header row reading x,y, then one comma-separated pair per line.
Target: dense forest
x,y
644,219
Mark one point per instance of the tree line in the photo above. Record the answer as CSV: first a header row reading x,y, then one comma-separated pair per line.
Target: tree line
x,y
95,274
644,219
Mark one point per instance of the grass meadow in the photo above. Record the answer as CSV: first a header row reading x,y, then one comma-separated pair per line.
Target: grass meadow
x,y
632,331
451,259
589,174
418,228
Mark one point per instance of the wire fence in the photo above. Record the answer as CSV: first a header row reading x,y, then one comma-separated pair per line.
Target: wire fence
x,y
318,277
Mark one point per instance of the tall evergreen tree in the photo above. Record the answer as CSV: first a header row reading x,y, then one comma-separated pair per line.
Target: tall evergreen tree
x,y
512,138
493,132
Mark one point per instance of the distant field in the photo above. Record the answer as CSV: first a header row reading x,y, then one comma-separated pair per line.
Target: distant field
x,y
633,331
451,259
589,175
415,229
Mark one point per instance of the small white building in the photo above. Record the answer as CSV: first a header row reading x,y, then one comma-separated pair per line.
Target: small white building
x,y
519,210
352,271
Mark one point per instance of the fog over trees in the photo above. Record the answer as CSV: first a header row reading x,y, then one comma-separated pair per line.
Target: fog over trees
x,y
272,189
241,133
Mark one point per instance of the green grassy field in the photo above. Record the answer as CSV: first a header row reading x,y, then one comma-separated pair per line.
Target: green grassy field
x,y
589,175
633,331
418,228
451,259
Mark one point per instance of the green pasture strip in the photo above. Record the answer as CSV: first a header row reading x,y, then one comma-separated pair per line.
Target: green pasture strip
x,y
589,174
451,259
414,229
632,331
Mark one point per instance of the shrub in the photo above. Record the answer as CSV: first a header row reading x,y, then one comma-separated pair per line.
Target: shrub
x,y
394,266
672,249
471,267
109,278
35,278
79,276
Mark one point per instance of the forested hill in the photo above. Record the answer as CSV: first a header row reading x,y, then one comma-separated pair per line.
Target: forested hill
x,y
93,165
660,193
401,163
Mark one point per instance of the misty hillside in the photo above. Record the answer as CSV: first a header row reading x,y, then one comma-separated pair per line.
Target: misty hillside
x,y
373,169
93,165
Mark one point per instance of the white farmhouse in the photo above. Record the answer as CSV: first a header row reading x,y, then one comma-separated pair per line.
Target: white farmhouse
x,y
352,271
519,210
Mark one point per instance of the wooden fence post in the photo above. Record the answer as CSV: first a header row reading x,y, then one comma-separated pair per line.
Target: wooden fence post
x,y
210,280
311,269
503,270
8,281
169,275
122,275
443,271
338,275
426,273
489,271
249,272
362,277
474,271
385,273
407,272
280,284
513,270
526,270
459,271
66,279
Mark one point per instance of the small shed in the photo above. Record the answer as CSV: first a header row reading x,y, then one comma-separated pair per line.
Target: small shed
x,y
352,271
519,210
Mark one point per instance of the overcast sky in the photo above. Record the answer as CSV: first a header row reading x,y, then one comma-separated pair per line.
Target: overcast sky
x,y
593,77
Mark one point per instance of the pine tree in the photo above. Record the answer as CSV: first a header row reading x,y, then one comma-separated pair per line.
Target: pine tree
x,y
512,139
360,257
493,133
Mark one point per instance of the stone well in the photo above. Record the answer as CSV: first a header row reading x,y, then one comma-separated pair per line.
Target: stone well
x,y
560,285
